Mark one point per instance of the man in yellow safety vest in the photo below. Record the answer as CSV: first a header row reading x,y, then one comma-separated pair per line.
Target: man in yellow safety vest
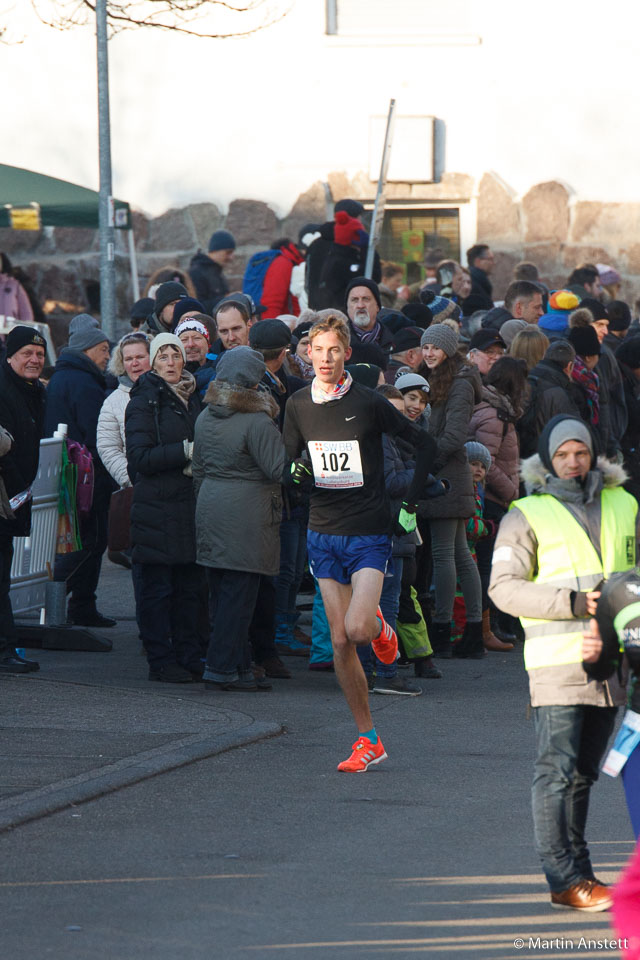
x,y
576,527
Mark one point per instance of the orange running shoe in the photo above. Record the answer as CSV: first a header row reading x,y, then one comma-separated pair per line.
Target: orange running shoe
x,y
365,754
385,645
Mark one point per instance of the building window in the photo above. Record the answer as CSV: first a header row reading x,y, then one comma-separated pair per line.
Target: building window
x,y
407,235
403,18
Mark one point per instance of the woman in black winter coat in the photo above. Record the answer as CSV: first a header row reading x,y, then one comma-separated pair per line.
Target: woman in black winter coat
x,y
170,592
628,357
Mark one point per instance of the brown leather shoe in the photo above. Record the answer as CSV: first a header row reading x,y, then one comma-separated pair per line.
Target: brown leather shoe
x,y
489,639
275,668
586,895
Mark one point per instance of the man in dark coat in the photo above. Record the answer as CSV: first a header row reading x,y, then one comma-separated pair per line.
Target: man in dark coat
x,y
363,305
552,392
75,396
206,269
481,262
320,291
22,415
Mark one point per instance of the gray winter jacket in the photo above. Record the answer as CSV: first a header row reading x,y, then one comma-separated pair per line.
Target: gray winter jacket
x,y
449,426
238,460
514,591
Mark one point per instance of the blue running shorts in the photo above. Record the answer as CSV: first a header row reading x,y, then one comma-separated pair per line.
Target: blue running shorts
x,y
338,558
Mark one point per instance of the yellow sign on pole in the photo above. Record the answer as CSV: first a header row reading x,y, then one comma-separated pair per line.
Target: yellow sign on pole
x,y
25,218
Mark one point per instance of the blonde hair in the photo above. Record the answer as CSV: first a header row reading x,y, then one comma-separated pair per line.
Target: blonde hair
x,y
529,345
333,322
116,363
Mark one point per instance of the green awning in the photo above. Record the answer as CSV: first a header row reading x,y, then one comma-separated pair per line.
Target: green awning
x,y
57,203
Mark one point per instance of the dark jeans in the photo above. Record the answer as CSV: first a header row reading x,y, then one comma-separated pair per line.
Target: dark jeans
x,y
570,744
7,626
262,627
232,599
168,613
484,548
631,780
81,569
293,554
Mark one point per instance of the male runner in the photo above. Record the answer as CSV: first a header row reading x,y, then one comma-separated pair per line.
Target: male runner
x,y
341,423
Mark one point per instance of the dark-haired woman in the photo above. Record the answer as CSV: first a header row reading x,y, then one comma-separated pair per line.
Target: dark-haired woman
x,y
454,391
493,424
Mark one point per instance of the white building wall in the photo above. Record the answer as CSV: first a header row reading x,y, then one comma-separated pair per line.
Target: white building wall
x,y
550,92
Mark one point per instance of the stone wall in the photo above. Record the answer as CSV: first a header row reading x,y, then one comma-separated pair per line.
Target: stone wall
x,y
548,225
556,231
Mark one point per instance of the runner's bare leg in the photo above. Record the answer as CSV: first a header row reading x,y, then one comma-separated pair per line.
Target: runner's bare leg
x,y
351,614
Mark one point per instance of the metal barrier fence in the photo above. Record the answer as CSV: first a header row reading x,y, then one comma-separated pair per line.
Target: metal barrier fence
x,y
29,574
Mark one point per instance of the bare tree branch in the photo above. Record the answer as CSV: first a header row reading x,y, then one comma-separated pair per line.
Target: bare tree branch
x,y
177,15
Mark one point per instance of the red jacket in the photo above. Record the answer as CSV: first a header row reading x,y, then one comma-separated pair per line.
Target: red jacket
x,y
276,296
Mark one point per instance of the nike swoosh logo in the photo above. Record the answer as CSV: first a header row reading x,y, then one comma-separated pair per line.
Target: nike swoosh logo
x,y
349,418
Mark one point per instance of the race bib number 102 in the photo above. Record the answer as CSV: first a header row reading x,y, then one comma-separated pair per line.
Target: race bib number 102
x,y
336,463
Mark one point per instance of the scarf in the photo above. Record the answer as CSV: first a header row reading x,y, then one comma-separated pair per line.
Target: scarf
x,y
184,388
366,336
339,389
589,383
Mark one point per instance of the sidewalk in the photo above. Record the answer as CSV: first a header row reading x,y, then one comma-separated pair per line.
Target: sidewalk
x,y
90,723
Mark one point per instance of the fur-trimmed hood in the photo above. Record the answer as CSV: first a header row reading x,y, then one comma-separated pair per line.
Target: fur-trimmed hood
x,y
536,478
224,400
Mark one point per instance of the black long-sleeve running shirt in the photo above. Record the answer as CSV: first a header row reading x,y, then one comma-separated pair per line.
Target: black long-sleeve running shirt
x,y
344,441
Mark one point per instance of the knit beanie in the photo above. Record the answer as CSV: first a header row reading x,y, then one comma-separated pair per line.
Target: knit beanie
x,y
562,301
364,282
619,315
242,367
608,275
584,341
221,240
411,381
186,305
510,330
163,340
419,314
82,321
441,309
559,430
442,337
478,451
353,207
85,337
597,309
346,230
142,308
190,323
628,352
368,374
167,293
23,336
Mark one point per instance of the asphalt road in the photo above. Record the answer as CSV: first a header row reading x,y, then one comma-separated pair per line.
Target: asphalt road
x,y
267,851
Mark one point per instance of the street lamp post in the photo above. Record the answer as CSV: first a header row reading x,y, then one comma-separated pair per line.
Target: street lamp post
x,y
106,212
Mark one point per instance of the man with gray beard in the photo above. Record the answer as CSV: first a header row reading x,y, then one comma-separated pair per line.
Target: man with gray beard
x,y
363,307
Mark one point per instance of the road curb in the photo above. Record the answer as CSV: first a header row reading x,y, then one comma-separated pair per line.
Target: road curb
x,y
35,804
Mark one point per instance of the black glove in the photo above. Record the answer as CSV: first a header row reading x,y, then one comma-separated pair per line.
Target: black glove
x,y
435,488
300,474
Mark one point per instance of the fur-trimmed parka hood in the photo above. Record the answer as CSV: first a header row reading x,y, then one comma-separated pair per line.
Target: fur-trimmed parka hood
x,y
224,400
537,479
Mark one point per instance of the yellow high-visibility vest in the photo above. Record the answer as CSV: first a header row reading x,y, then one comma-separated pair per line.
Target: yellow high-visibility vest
x,y
567,558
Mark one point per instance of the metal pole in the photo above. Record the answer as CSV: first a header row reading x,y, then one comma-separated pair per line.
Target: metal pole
x,y
133,263
378,208
107,232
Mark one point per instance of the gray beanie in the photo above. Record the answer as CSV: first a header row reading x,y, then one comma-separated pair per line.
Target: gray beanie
x,y
241,366
166,340
85,335
511,328
442,336
569,428
82,321
478,451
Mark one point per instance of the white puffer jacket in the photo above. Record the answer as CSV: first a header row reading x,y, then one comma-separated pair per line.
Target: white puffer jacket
x,y
110,434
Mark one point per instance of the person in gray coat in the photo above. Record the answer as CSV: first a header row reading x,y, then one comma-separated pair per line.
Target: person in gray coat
x,y
238,461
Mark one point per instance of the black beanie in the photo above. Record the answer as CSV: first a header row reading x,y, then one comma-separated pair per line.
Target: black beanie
x,y
594,307
419,314
167,293
364,282
629,352
351,207
619,315
584,341
367,374
23,336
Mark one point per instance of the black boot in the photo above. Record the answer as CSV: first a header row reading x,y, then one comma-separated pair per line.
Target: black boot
x,y
471,645
440,637
426,668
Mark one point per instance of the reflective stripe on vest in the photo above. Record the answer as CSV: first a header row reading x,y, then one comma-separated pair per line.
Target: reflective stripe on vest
x,y
567,559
